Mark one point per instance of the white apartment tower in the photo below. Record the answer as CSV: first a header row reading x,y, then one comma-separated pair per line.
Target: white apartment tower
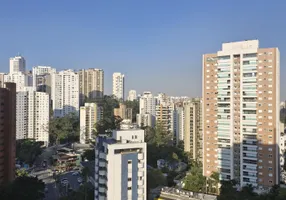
x,y
91,84
147,104
65,92
90,114
132,95
20,78
32,119
118,85
241,93
17,64
120,166
42,78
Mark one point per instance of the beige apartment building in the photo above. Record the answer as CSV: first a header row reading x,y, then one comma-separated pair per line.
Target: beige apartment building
x,y
193,136
91,84
241,94
165,117
123,112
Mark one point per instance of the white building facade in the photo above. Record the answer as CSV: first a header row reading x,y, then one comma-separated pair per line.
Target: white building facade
x,y
132,95
120,166
17,64
118,85
32,119
90,114
65,93
20,78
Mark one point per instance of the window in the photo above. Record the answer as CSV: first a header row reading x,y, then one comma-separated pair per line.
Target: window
x,y
129,188
129,179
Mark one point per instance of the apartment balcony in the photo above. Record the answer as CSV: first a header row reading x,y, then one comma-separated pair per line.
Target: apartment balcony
x,y
140,156
102,164
140,173
102,181
102,173
102,155
141,165
140,182
140,191
102,190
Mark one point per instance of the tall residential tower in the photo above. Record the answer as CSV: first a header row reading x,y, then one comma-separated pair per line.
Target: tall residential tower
x,y
241,94
118,85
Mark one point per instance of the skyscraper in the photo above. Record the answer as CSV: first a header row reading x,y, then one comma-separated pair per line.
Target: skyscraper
x,y
17,64
193,136
65,93
20,78
241,94
90,114
132,95
118,85
7,132
91,84
42,78
120,166
32,120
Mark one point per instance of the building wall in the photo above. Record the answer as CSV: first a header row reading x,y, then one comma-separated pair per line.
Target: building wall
x,y
7,132
32,115
147,104
21,79
91,84
241,113
118,85
90,114
17,64
2,79
65,93
132,95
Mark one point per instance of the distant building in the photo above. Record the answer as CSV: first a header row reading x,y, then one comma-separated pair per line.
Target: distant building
x,y
180,124
2,79
147,104
42,78
118,85
33,114
132,95
120,166
20,78
65,93
145,120
8,132
17,64
91,84
123,112
193,136
90,114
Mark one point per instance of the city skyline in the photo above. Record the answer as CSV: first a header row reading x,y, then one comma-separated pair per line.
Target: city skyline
x,y
160,44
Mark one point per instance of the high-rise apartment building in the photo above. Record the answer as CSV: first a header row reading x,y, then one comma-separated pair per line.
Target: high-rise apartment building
x,y
132,95
32,120
145,120
65,92
123,112
120,166
2,75
147,104
165,117
7,132
42,78
193,136
17,64
91,84
180,124
118,85
241,94
20,78
90,114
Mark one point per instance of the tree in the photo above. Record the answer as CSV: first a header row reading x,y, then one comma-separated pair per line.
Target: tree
x,y
134,105
215,180
24,188
27,150
21,172
155,178
64,128
194,180
88,154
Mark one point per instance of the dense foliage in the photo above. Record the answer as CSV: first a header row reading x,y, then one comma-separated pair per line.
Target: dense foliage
x,y
135,108
24,188
88,154
155,178
64,129
27,150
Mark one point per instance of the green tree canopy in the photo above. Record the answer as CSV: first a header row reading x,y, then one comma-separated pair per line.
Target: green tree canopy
x,y
88,154
27,150
194,180
24,188
155,178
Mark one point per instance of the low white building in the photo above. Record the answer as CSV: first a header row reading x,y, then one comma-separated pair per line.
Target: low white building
x,y
90,114
32,115
120,166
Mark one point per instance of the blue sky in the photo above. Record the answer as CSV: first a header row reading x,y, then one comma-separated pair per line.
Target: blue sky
x,y
157,44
